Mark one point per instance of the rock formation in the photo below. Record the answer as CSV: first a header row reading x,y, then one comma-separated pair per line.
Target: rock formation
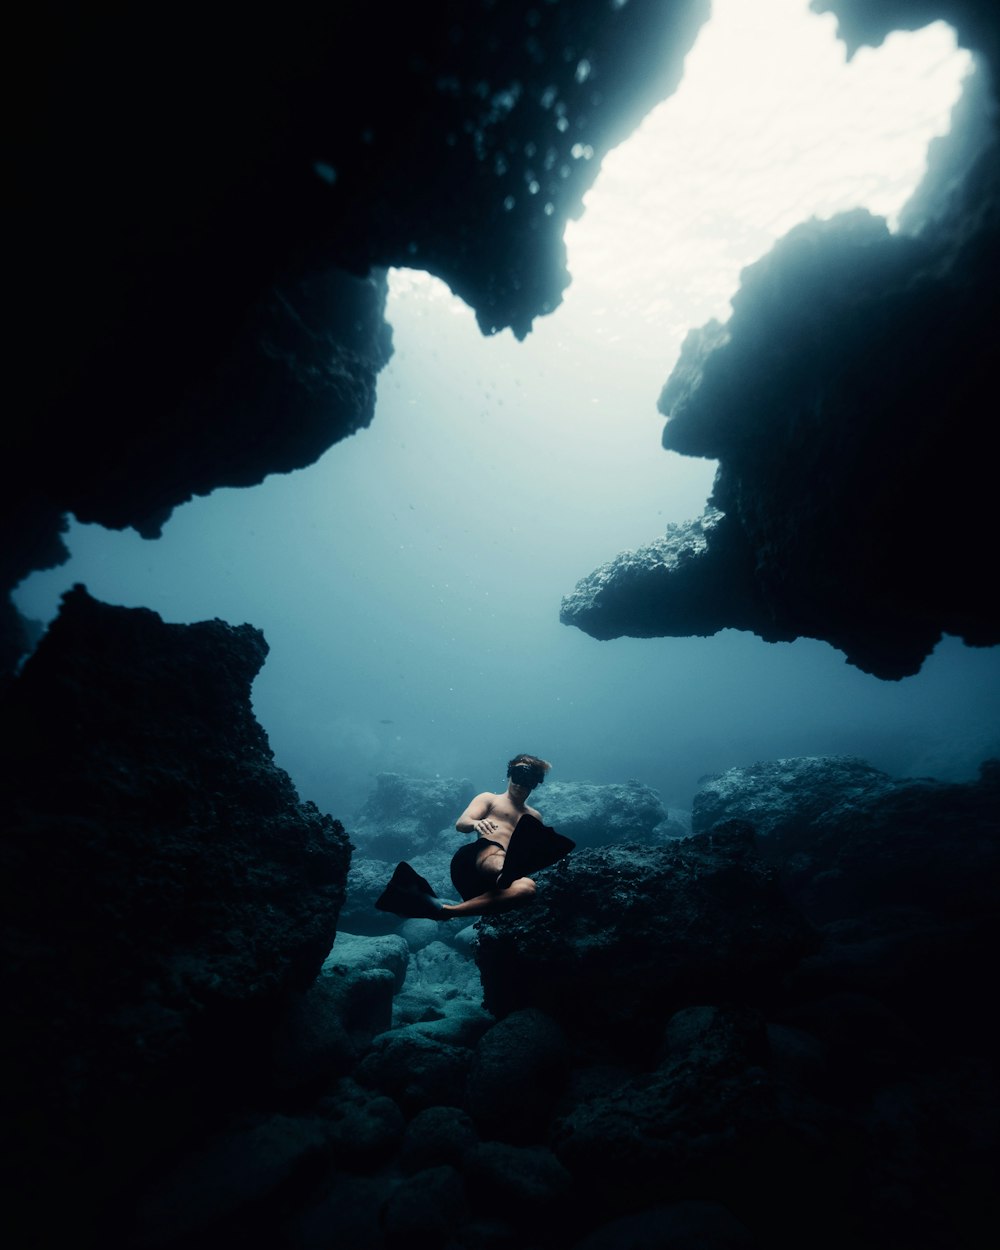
x,y
205,208
843,401
166,894
695,1046
596,815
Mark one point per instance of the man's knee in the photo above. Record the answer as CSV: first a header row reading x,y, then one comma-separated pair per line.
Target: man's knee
x,y
523,889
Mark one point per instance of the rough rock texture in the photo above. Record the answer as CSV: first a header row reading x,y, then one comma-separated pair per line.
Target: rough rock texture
x,y
165,891
704,1070
854,833
901,876
706,1109
827,400
783,799
632,932
662,588
210,310
596,815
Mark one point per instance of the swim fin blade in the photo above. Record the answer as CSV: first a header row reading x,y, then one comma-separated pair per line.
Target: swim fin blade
x,y
532,847
409,894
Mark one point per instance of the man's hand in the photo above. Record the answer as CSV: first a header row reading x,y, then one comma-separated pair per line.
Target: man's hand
x,y
485,827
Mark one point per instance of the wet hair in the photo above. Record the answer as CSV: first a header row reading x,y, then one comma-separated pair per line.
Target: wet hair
x,y
540,766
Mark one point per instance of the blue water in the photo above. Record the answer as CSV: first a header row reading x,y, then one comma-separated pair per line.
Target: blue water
x,y
409,583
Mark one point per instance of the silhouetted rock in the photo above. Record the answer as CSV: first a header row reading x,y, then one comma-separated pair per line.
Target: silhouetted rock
x,y
524,1182
822,400
425,1209
435,1136
702,1115
221,286
362,1128
242,1168
617,938
166,892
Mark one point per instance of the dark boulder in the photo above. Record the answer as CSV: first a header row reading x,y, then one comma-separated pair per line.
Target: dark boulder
x,y
517,1075
695,1123
619,937
166,893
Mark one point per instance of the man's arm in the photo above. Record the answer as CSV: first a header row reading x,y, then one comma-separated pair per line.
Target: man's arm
x,y
480,807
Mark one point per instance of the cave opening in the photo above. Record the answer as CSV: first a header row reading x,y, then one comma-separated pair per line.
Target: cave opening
x,y
411,578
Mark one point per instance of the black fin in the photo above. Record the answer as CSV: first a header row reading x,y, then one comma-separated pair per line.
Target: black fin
x,y
409,894
532,847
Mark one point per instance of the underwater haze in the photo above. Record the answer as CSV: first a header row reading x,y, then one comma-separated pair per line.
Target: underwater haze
x,y
409,583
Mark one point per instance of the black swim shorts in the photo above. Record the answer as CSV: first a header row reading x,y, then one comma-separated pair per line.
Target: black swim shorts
x,y
466,876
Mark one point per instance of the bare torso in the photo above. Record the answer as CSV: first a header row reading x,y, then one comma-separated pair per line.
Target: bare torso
x,y
493,817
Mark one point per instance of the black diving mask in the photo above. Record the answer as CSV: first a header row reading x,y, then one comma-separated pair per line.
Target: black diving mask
x,y
525,775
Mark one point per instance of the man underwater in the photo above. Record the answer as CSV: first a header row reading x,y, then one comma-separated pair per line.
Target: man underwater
x,y
490,874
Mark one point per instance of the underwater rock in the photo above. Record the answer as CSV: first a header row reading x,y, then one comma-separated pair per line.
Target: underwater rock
x,y
668,587
441,983
822,400
618,937
783,799
435,1136
324,1031
365,882
700,1117
528,1052
849,838
321,1032
353,953
416,1069
362,1129
425,1209
405,816
346,1214
521,1181
224,275
242,1168
596,815
166,892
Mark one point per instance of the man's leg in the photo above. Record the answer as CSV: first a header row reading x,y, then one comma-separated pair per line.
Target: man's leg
x,y
516,894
